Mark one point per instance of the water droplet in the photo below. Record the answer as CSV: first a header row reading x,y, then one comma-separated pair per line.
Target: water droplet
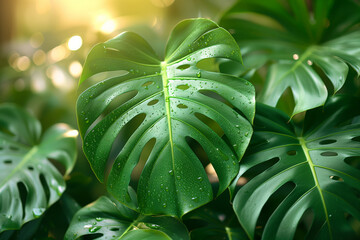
x,y
155,226
232,98
198,74
189,59
164,205
178,177
200,179
201,189
94,229
195,199
38,211
171,172
246,134
99,219
86,120
162,186
235,145
88,226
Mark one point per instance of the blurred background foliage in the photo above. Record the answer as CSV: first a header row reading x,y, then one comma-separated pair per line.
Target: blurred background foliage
x,y
43,45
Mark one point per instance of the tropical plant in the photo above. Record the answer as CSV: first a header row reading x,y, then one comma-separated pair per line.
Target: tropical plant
x,y
29,179
181,148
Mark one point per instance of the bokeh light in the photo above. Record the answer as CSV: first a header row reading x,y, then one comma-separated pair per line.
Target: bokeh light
x,y
75,43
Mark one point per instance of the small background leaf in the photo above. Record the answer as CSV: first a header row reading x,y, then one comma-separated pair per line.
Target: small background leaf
x,y
29,180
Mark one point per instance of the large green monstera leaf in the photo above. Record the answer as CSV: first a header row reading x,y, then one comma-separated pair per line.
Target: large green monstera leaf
x,y
314,169
29,182
108,219
303,42
171,104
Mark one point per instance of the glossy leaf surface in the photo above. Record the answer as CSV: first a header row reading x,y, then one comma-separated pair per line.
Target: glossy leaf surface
x,y
109,219
296,43
216,220
314,166
168,103
29,182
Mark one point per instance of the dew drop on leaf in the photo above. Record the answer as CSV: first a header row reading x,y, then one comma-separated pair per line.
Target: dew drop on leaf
x,y
37,212
198,74
94,229
99,219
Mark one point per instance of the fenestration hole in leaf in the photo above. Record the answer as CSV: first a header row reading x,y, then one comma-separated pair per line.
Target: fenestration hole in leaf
x,y
210,123
147,84
336,178
261,167
216,96
273,202
45,187
327,141
114,229
123,136
182,106
92,236
153,102
353,161
23,195
356,139
145,153
291,153
182,87
305,222
328,154
8,161
198,150
183,67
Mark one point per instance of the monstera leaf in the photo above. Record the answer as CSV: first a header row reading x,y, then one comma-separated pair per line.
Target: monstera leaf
x,y
313,169
301,45
169,104
109,219
29,182
216,220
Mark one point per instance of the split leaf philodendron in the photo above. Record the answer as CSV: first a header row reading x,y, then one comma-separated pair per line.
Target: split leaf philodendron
x,y
307,49
311,171
29,182
172,102
108,219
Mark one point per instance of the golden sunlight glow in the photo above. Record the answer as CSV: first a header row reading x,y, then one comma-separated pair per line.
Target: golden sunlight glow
x,y
108,27
58,53
75,43
71,133
39,57
162,3
36,40
23,63
75,69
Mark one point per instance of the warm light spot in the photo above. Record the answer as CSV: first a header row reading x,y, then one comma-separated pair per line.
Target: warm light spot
x,y
309,62
162,3
58,53
36,40
38,84
60,79
23,63
71,133
13,60
242,181
295,56
108,27
75,69
211,173
39,57
75,43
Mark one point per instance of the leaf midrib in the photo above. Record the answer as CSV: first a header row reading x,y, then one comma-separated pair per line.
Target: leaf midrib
x,y
305,149
26,158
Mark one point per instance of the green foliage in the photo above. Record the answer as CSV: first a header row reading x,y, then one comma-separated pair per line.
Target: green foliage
x,y
29,181
171,104
109,219
299,45
314,166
